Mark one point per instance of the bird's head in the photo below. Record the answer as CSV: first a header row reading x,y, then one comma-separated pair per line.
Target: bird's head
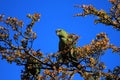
x,y
61,33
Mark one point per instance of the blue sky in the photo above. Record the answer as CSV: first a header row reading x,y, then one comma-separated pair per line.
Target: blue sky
x,y
58,14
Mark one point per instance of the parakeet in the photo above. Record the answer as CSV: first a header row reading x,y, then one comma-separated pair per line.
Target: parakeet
x,y
67,41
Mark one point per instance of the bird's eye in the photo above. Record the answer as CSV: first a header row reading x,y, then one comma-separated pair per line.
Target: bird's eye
x,y
59,30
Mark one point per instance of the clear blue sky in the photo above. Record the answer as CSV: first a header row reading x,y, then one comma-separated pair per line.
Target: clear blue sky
x,y
58,14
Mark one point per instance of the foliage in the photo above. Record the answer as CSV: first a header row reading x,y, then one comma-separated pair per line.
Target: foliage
x,y
17,47
112,18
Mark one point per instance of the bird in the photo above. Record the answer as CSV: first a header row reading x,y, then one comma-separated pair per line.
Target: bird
x,y
66,40
67,44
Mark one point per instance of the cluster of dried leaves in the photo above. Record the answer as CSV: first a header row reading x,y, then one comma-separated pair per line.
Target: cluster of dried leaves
x,y
16,45
112,18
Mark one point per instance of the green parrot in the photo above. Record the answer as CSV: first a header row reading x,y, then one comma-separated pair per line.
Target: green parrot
x,y
66,42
